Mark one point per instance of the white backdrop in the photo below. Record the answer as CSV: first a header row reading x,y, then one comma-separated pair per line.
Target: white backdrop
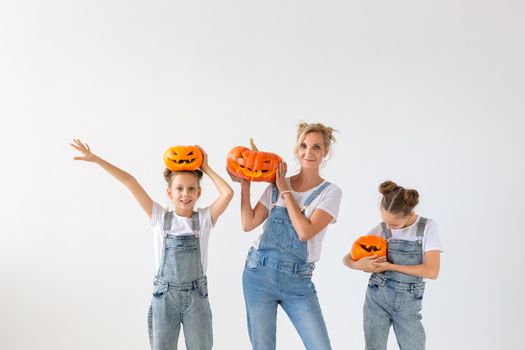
x,y
429,94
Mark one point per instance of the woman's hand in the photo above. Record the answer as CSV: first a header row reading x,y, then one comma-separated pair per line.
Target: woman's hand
x,y
233,177
280,178
84,149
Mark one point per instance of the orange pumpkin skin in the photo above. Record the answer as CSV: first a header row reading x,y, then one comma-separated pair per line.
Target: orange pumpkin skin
x,y
368,245
252,165
179,158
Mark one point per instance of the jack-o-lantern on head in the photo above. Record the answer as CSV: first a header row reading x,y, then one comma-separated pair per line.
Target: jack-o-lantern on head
x,y
368,245
178,158
252,164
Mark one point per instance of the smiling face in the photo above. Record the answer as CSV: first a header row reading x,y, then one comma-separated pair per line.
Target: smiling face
x,y
184,192
397,221
311,150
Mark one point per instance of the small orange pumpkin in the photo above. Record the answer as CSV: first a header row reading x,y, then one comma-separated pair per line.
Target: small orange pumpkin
x,y
252,165
179,158
368,245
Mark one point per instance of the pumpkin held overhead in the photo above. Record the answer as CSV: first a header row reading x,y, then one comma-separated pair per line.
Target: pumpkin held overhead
x,y
178,158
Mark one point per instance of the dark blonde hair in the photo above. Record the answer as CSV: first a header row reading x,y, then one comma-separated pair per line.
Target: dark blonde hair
x,y
305,128
169,175
397,199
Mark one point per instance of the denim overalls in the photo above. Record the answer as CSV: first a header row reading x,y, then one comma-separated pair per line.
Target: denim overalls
x,y
180,293
277,273
395,298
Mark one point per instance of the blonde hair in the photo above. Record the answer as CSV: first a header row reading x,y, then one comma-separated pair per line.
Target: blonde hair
x,y
326,132
169,175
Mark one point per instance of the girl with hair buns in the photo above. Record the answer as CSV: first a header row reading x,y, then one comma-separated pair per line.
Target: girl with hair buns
x,y
396,286
180,290
280,263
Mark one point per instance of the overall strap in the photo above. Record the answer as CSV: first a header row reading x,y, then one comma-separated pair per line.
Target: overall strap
x,y
168,219
195,224
386,231
314,195
274,196
421,229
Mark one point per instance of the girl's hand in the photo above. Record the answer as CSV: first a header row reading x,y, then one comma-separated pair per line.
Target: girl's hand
x,y
381,265
369,263
280,181
204,166
84,149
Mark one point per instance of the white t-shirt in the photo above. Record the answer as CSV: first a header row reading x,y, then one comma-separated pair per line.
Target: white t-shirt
x,y
430,238
180,226
328,200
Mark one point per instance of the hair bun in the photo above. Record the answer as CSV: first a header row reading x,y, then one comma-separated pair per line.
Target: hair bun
x,y
411,197
387,187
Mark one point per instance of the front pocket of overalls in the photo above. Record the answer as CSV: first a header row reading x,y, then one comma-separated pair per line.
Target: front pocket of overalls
x,y
373,285
283,235
252,263
202,290
306,272
418,294
159,290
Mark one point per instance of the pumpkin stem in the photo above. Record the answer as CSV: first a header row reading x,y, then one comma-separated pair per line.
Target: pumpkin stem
x,y
252,145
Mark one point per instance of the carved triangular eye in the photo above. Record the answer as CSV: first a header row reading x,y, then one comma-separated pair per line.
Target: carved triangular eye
x,y
191,153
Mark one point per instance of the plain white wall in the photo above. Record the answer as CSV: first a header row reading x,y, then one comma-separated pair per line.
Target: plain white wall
x,y
429,94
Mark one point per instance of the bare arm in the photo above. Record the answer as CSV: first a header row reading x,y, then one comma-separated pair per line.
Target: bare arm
x,y
125,178
250,217
225,191
306,228
428,269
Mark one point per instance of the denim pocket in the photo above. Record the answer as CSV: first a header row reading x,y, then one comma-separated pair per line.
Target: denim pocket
x,y
418,294
159,290
252,263
203,290
306,272
373,285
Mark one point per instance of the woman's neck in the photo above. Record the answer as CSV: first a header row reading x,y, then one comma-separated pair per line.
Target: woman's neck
x,y
305,180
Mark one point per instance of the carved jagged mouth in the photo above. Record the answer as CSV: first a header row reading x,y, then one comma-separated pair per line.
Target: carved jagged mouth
x,y
187,161
370,249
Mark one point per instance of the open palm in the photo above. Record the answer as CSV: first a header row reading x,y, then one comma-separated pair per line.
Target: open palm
x,y
84,149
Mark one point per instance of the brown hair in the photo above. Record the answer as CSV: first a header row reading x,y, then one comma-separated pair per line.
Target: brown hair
x,y
397,199
305,128
169,174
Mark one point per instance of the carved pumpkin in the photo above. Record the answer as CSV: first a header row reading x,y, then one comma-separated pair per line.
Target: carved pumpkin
x,y
368,245
179,158
252,165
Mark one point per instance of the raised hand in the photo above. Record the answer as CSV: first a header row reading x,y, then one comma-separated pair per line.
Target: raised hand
x,y
280,177
84,149
204,166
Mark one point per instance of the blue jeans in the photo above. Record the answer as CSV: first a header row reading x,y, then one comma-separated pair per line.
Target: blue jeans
x,y
172,306
270,282
390,302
